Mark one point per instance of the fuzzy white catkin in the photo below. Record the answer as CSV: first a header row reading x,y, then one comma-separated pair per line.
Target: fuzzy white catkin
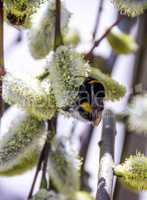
x,y
113,89
133,172
131,8
68,71
64,167
137,111
22,138
18,13
41,35
30,94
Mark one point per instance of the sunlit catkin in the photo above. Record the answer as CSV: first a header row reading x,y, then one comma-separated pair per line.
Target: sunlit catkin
x,y
18,13
42,34
22,138
28,93
133,172
63,167
131,8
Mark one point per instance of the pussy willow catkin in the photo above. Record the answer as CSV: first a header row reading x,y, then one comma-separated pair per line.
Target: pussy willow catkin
x,y
19,13
21,141
133,172
121,43
28,93
41,35
113,89
68,71
131,8
63,167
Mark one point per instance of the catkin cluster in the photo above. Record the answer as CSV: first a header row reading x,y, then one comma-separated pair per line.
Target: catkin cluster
x,y
21,142
38,99
133,172
28,93
42,33
131,8
64,165
19,13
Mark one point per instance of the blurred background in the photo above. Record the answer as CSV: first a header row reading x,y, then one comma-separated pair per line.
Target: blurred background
x,y
129,70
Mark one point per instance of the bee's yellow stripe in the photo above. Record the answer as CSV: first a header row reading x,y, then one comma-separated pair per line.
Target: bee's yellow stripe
x,y
86,107
93,81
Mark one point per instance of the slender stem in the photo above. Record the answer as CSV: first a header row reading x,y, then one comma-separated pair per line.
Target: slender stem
x,y
97,42
1,56
58,35
50,136
105,179
37,171
44,182
98,17
45,152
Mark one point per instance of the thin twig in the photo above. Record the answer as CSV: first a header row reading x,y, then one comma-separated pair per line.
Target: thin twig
x,y
105,178
97,42
98,17
2,71
45,152
37,171
50,136
44,182
58,35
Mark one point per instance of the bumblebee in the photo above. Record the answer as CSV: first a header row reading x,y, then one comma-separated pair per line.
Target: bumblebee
x,y
90,102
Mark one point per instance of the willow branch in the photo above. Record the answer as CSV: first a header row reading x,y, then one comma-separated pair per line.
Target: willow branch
x,y
58,35
44,182
105,178
98,17
44,154
1,56
97,42
39,165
